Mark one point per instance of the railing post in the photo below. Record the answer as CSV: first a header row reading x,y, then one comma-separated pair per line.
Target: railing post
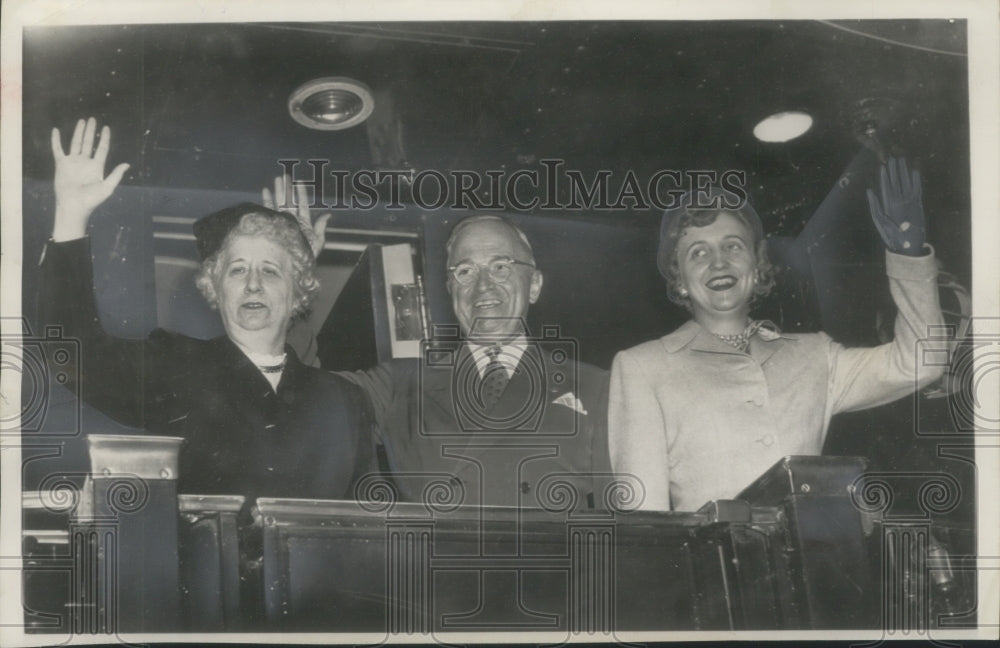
x,y
209,551
133,495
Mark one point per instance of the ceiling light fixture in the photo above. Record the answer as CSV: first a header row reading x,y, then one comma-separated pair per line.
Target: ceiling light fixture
x,y
783,126
331,103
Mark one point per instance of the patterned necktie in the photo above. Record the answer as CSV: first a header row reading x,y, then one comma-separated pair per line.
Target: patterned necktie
x,y
494,379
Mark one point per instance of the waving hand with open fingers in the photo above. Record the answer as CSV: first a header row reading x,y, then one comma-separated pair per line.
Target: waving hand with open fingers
x,y
80,183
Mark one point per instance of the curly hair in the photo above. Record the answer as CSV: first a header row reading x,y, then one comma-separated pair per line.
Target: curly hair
x,y
700,218
277,230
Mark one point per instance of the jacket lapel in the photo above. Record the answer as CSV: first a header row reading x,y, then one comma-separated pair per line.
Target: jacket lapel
x,y
291,377
252,395
762,350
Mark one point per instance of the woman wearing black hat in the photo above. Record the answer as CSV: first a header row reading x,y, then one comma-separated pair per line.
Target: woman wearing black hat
x,y
256,421
700,413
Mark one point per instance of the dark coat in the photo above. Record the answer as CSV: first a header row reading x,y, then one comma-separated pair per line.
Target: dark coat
x,y
528,450
311,439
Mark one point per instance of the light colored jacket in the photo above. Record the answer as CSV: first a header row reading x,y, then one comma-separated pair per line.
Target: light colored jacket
x,y
695,420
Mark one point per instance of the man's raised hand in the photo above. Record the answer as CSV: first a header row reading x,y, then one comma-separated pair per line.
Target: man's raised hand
x,y
315,233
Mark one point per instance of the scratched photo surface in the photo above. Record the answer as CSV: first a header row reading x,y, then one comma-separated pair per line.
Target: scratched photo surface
x,y
436,506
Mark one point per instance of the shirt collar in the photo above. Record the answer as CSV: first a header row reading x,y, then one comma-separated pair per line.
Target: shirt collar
x,y
509,356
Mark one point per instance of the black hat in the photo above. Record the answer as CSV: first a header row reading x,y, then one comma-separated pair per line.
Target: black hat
x,y
210,231
711,198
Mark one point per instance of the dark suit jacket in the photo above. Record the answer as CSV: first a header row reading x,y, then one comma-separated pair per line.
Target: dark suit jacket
x,y
545,439
311,439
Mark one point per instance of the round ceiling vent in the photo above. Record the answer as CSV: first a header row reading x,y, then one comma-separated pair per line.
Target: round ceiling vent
x,y
331,103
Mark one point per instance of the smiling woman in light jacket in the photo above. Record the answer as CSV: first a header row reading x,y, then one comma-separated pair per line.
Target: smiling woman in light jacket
x,y
699,414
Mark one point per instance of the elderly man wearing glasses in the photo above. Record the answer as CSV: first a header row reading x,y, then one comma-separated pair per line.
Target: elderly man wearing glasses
x,y
499,417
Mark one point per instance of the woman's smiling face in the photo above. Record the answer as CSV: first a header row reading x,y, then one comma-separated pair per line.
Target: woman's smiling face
x,y
717,269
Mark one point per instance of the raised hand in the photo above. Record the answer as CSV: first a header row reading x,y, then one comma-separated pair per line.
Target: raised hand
x,y
898,213
80,185
315,233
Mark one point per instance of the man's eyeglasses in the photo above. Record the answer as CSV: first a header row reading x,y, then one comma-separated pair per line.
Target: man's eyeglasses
x,y
499,270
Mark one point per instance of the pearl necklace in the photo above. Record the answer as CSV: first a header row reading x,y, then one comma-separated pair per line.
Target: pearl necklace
x,y
741,341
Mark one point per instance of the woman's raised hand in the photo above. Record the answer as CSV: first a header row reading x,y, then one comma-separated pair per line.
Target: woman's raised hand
x,y
80,184
898,210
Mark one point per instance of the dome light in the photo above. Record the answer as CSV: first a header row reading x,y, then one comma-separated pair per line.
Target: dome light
x,y
783,126
331,103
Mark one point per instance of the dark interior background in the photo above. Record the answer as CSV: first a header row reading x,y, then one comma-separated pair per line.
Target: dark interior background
x,y
200,113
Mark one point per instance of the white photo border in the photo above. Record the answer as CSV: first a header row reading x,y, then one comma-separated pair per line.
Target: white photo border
x,y
984,107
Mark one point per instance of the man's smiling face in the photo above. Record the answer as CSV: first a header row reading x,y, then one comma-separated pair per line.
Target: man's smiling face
x,y
486,307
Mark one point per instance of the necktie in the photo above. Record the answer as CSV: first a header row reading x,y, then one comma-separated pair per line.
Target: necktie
x,y
494,379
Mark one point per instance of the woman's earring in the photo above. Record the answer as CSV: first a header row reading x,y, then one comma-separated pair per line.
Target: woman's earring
x,y
684,292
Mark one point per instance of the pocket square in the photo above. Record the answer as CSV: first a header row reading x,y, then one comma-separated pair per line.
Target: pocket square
x,y
571,401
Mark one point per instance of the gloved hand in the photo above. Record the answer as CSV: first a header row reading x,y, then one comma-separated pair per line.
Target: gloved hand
x,y
899,214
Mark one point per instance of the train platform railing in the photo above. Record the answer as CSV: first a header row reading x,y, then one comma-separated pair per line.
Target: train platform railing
x,y
812,544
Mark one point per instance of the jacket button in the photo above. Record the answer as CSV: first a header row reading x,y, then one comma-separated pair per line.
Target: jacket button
x,y
525,487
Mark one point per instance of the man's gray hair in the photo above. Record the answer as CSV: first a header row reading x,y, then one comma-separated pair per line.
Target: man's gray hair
x,y
472,220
